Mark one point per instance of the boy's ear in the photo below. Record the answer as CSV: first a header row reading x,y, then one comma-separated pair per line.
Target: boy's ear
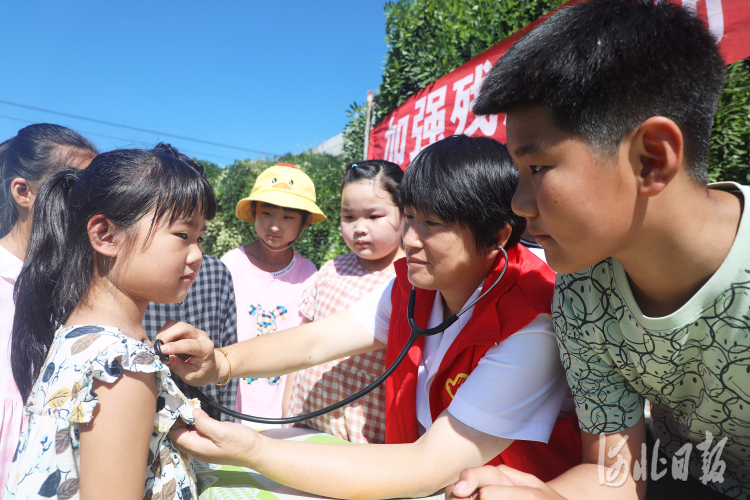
x,y
657,152
22,193
102,235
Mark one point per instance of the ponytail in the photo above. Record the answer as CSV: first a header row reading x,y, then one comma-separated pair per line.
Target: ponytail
x,y
56,274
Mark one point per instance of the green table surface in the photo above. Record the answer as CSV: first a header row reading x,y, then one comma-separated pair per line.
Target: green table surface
x,y
227,482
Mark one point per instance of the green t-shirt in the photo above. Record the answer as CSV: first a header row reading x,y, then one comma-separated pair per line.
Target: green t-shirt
x,y
693,365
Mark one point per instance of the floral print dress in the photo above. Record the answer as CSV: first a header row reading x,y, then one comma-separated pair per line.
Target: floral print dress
x,y
47,460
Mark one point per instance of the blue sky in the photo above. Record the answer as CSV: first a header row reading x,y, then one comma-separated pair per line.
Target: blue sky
x,y
266,76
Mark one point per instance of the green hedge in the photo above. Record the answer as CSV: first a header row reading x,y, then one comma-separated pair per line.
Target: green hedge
x,y
320,242
729,150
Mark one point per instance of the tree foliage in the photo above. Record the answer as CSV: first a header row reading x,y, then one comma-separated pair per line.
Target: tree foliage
x,y
430,38
319,242
729,150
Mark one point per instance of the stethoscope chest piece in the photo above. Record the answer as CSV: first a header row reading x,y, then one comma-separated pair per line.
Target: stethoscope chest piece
x,y
157,349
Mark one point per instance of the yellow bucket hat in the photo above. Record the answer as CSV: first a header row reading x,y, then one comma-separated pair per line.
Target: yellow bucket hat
x,y
282,185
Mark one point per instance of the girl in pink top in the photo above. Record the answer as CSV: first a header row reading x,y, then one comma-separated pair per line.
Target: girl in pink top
x,y
268,275
25,161
371,219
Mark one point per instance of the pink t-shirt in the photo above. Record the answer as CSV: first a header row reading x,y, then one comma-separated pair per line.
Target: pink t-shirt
x,y
266,302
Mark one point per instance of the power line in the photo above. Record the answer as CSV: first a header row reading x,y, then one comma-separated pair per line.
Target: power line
x,y
84,132
111,124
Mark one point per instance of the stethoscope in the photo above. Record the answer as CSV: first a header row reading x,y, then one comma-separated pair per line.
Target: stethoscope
x,y
416,332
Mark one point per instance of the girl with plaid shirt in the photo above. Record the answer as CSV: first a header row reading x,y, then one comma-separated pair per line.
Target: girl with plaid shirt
x,y
371,217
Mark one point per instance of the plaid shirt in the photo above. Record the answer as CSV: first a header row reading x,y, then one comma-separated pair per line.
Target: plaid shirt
x,y
209,306
340,283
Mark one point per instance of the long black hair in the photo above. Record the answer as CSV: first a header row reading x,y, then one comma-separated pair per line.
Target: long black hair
x,y
122,185
469,181
35,152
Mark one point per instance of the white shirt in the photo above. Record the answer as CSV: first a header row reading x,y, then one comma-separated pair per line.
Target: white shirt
x,y
10,267
517,390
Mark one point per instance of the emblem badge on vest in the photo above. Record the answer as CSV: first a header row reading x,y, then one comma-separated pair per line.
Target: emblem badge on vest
x,y
452,385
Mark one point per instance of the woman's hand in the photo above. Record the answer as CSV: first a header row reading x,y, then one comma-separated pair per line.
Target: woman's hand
x,y
216,442
191,353
501,482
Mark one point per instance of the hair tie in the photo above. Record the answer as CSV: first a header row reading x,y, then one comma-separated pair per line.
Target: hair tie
x,y
70,180
354,165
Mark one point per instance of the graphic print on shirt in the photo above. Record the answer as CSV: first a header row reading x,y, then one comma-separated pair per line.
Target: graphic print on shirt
x,y
266,323
690,372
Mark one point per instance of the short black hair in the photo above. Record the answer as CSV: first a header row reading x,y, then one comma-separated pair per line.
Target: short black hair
x,y
469,181
601,68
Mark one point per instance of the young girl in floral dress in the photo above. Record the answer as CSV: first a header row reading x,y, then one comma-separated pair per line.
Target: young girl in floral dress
x,y
105,242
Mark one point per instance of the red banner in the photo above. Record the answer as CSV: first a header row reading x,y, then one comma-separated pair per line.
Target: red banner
x,y
444,108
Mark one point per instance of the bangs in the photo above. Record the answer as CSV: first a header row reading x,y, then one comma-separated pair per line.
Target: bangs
x,y
181,192
431,186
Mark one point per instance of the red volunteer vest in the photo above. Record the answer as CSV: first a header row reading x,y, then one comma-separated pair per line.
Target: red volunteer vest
x,y
526,291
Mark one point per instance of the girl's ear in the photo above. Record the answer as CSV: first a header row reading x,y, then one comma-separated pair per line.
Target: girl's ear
x,y
22,193
102,235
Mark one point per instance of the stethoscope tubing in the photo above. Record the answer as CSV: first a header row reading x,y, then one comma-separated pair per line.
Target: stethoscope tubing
x,y
416,332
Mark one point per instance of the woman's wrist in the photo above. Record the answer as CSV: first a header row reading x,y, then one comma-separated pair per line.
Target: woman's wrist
x,y
224,367
251,453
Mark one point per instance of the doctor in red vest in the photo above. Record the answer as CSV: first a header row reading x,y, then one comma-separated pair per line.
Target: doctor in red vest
x,y
489,389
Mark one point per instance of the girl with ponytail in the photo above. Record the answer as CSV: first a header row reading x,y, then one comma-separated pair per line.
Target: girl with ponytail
x,y
25,161
105,241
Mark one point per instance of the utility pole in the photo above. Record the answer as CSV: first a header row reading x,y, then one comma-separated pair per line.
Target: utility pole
x,y
368,114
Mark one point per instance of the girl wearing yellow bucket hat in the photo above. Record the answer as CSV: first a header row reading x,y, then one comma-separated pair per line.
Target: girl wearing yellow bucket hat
x,y
267,273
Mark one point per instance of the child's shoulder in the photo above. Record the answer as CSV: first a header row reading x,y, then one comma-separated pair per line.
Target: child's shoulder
x,y
303,264
80,340
233,256
83,344
81,353
342,265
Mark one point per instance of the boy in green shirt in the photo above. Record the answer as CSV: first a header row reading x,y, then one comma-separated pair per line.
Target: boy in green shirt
x,y
609,110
